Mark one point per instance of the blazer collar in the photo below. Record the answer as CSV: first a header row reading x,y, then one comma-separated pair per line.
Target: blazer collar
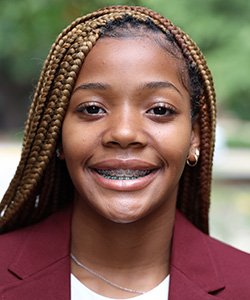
x,y
194,272
46,243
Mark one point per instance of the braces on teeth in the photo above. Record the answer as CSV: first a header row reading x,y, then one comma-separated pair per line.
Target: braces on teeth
x,y
121,174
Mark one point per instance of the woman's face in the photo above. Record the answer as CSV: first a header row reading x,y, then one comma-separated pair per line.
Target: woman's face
x,y
127,131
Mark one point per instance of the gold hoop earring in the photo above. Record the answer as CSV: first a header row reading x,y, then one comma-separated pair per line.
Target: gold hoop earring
x,y
196,157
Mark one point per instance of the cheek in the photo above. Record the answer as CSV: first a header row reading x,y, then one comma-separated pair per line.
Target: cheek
x,y
75,141
174,141
173,148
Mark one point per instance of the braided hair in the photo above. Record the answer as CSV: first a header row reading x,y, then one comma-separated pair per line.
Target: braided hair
x,y
41,184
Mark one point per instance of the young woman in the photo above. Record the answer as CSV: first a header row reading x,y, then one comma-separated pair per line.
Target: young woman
x,y
110,199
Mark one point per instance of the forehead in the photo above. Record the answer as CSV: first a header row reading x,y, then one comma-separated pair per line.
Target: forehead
x,y
126,66
148,54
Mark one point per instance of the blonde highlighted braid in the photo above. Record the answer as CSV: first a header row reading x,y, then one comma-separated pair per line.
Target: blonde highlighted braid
x,y
41,184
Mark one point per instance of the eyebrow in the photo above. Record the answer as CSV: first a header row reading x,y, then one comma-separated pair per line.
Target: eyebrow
x,y
159,84
98,86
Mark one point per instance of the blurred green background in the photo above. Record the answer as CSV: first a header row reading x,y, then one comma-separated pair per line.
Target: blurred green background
x,y
221,28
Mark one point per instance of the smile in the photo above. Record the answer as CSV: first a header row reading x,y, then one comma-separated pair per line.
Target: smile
x,y
121,174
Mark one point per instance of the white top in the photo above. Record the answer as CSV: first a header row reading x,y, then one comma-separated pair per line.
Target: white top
x,y
80,291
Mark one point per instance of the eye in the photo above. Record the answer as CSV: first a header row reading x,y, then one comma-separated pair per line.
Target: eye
x,y
162,110
90,109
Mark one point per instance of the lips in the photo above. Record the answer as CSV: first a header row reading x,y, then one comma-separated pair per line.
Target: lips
x,y
125,164
123,174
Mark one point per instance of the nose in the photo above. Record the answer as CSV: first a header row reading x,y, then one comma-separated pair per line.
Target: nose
x,y
125,130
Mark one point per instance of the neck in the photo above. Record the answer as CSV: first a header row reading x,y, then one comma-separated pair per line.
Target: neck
x,y
134,251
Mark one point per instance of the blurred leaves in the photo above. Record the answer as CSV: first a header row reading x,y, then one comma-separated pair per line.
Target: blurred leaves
x,y
28,28
221,28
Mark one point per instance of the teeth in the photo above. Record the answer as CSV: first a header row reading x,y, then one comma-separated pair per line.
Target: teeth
x,y
121,174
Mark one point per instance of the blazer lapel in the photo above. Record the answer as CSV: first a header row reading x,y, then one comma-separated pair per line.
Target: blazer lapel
x,y
182,287
193,269
42,262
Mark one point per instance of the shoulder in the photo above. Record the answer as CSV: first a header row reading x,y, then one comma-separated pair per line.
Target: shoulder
x,y
224,252
233,262
30,246
10,243
209,263
233,266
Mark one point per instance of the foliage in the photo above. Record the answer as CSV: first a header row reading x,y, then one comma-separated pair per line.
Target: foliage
x,y
220,27
28,28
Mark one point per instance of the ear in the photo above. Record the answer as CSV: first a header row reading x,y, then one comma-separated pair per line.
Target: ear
x,y
195,141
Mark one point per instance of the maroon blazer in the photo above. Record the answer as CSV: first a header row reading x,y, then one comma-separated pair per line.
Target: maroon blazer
x,y
35,263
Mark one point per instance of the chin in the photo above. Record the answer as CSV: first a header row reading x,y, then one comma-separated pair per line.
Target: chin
x,y
125,217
